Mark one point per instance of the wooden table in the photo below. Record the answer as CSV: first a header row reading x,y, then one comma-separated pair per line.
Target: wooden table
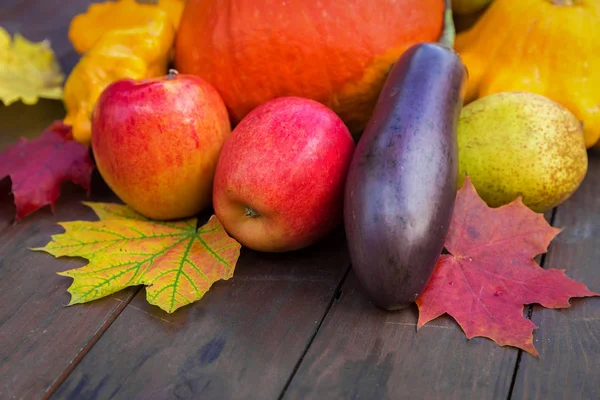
x,y
290,326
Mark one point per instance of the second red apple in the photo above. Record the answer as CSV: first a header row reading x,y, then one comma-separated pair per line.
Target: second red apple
x,y
279,181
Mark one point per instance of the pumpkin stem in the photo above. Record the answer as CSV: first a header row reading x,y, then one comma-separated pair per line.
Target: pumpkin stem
x,y
449,32
565,2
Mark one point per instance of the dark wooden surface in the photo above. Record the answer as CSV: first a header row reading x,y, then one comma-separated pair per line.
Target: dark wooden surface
x,y
361,353
286,326
242,340
40,338
569,340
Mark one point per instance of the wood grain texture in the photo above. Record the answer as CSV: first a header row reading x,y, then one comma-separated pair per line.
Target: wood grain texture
x,y
362,352
40,338
241,341
568,340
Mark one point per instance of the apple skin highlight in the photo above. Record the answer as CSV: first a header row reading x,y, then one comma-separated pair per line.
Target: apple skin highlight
x,y
280,178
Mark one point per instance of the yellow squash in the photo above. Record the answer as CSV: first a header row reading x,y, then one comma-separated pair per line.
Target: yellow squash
x,y
87,28
549,47
124,39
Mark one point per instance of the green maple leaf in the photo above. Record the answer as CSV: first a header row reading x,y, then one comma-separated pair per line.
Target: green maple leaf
x,y
178,262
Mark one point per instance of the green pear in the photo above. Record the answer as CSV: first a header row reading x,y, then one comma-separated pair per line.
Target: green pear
x,y
515,144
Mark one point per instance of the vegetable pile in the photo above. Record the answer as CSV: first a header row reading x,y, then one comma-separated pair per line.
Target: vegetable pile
x,y
286,121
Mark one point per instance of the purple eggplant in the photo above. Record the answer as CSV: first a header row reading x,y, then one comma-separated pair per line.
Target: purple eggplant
x,y
402,182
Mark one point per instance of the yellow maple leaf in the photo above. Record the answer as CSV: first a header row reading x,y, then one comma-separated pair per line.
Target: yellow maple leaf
x,y
178,262
28,70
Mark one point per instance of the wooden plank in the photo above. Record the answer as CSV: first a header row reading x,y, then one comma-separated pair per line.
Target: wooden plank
x,y
40,338
242,340
363,352
568,340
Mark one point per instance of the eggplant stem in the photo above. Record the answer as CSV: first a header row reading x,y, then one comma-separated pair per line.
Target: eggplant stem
x,y
449,32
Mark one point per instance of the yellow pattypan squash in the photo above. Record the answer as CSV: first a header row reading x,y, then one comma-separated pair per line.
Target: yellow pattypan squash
x,y
124,39
549,47
85,29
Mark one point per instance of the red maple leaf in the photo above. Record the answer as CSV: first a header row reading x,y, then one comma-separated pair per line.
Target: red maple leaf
x,y
38,167
490,274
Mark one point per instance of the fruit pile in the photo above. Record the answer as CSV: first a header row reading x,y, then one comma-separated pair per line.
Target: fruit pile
x,y
294,117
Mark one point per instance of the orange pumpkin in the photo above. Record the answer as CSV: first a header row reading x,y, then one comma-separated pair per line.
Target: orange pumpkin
x,y
335,52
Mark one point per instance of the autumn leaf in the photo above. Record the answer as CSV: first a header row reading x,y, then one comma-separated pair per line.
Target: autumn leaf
x,y
28,70
38,167
177,261
490,273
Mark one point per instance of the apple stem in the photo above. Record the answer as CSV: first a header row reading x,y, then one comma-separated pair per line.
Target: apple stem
x,y
172,74
251,212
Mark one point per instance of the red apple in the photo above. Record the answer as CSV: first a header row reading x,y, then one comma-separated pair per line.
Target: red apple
x,y
157,141
280,177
